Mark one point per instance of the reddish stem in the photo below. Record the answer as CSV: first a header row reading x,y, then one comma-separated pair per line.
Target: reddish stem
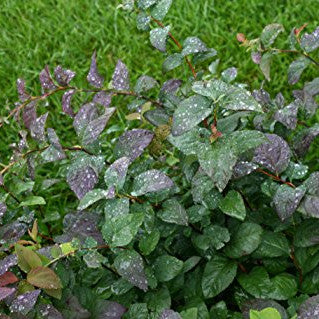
x,y
276,178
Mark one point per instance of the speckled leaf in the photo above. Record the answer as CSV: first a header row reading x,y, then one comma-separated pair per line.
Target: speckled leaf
x,y
256,57
63,76
265,63
66,102
172,61
145,83
129,265
87,113
288,115
270,33
304,139
274,155
97,126
93,77
92,197
233,205
143,21
173,212
44,277
110,310
37,128
171,86
3,208
46,79
8,262
310,42
151,181
6,292
193,45
218,164
296,68
310,206
132,143
296,171
167,267
243,168
160,10
189,113
47,311
158,38
29,115
25,303
55,151
149,241
244,241
116,173
169,314
309,309
229,74
157,117
218,274
103,98
144,4
312,184
120,78
23,95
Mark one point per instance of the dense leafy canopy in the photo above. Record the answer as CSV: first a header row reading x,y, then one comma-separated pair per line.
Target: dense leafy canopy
x,y
201,205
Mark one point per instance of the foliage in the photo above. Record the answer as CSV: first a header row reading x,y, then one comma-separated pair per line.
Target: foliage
x,y
199,205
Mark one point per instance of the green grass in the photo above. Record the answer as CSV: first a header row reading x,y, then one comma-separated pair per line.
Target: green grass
x,y
38,32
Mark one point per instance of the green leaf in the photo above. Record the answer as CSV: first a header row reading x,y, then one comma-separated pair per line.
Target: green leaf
x,y
307,233
264,64
189,113
172,62
115,174
218,163
296,68
167,267
233,205
92,197
44,277
32,201
267,313
244,241
173,212
27,258
160,10
218,274
149,242
193,45
144,4
158,38
270,33
116,207
296,170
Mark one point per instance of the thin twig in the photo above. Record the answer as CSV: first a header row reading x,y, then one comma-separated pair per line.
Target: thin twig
x,y
276,178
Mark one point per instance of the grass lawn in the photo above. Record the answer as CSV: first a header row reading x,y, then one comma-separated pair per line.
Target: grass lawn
x,y
38,32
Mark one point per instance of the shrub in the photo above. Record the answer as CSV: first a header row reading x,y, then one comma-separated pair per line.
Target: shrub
x,y
200,203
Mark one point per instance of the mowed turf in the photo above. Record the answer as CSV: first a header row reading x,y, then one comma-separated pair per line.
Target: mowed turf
x,y
38,32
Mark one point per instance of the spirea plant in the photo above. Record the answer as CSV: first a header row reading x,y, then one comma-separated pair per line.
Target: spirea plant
x,y
188,198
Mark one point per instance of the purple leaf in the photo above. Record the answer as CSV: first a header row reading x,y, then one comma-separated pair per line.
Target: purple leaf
x,y
37,128
96,127
49,312
171,86
24,303
310,42
310,206
80,225
1,180
129,265
308,101
151,181
103,98
94,78
110,310
304,139
8,262
312,184
116,173
46,79
279,100
132,143
229,74
82,180
66,102
309,309
23,95
29,114
76,309
288,115
87,113
120,78
287,199
296,68
256,57
169,314
11,233
274,155
6,292
262,97
55,151
63,76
